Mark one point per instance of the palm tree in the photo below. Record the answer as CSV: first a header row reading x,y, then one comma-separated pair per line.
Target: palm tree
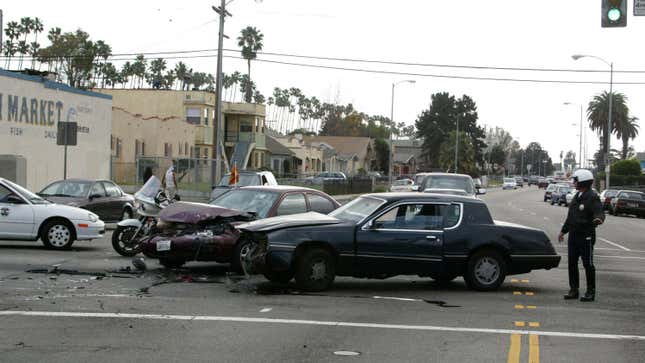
x,y
627,130
37,27
598,112
126,72
180,72
25,28
10,46
169,79
139,68
250,40
236,77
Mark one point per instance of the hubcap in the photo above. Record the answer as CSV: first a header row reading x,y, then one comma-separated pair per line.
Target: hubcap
x,y
318,270
487,270
126,238
59,235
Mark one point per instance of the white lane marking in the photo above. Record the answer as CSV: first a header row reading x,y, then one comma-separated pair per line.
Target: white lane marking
x,y
533,213
395,298
521,210
318,322
597,248
266,310
614,244
623,257
546,218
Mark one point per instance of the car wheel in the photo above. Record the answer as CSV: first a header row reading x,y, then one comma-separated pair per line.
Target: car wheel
x,y
241,251
545,199
171,262
58,234
552,201
127,214
315,270
124,241
486,270
281,277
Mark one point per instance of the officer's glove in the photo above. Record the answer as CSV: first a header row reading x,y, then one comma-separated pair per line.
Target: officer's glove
x,y
597,221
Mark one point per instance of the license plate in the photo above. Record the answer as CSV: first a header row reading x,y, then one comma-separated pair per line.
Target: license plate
x,y
163,245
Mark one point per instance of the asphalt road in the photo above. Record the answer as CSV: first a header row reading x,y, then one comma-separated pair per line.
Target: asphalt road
x,y
94,312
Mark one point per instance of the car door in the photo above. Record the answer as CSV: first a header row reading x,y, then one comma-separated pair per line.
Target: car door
x,y
16,215
405,239
97,201
292,203
114,201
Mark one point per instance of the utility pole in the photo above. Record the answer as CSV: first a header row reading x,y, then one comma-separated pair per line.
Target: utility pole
x,y
457,146
218,134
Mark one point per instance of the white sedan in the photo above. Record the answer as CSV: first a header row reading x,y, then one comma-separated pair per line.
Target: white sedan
x,y
404,185
509,183
26,216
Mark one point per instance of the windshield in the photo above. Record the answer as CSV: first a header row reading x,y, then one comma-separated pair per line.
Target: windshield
x,y
632,195
256,201
450,182
67,188
357,209
403,182
509,180
33,198
246,180
551,188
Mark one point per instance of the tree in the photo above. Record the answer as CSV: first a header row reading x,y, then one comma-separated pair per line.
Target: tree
x,y
258,97
466,158
169,79
110,75
155,75
626,131
598,113
382,150
24,28
626,167
199,79
247,86
139,68
37,27
126,73
539,159
250,40
181,71
569,160
11,46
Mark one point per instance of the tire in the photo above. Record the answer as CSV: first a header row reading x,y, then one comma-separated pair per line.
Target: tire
x,y
545,199
552,203
242,248
58,234
486,270
281,277
315,270
122,241
171,262
126,214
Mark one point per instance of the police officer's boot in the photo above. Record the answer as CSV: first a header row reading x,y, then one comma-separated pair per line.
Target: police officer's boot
x,y
573,294
590,295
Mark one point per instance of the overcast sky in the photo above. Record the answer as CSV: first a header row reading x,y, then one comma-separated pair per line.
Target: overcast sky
x,y
503,33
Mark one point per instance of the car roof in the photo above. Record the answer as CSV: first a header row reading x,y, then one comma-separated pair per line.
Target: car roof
x,y
423,197
444,174
280,188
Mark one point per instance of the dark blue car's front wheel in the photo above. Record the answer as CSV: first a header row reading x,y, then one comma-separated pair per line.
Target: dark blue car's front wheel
x,y
486,270
315,270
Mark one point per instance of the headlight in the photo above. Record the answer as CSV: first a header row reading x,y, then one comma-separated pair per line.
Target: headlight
x,y
92,217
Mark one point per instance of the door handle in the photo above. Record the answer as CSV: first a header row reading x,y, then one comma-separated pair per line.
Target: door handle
x,y
4,212
432,238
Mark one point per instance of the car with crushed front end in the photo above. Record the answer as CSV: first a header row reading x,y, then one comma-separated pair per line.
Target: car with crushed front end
x,y
388,234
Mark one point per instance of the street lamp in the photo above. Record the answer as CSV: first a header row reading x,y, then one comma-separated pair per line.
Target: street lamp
x,y
580,158
611,107
390,166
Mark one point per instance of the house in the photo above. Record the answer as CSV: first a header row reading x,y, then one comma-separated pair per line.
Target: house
x,y
357,153
282,160
407,159
308,158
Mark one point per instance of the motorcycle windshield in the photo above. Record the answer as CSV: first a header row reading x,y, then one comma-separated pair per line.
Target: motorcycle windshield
x,y
149,190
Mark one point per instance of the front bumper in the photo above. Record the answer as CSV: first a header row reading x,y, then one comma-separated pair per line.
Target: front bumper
x,y
86,230
193,247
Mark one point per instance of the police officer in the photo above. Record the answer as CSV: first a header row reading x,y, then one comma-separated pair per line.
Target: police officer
x,y
585,214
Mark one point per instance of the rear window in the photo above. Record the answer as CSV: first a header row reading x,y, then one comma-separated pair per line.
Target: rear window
x,y
449,182
632,195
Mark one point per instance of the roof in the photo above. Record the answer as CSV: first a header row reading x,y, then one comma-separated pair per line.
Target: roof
x,y
276,148
53,85
407,143
444,174
280,188
344,145
402,158
424,197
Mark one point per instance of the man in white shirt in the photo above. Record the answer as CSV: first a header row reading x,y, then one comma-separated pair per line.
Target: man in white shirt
x,y
170,182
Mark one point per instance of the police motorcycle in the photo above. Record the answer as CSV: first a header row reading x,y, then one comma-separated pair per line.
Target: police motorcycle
x,y
150,200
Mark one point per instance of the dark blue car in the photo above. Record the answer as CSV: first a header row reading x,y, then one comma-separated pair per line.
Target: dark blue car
x,y
388,234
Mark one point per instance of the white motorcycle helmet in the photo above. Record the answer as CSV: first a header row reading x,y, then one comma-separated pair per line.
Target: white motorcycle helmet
x,y
583,178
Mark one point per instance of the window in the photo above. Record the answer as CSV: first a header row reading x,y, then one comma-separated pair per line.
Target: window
x,y
255,201
118,148
276,165
205,116
167,150
292,204
246,126
193,116
138,148
111,189
97,189
112,142
320,204
420,217
4,194
197,152
186,150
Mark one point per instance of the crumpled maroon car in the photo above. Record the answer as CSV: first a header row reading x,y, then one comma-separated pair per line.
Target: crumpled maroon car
x,y
194,232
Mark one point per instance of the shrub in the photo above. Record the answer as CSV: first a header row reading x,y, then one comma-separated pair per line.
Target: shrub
x,y
626,167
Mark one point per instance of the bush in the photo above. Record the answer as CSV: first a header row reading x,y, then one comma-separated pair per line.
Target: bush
x,y
621,180
626,167
380,189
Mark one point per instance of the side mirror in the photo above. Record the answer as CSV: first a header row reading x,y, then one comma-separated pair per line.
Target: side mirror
x,y
95,196
415,188
481,191
14,199
368,225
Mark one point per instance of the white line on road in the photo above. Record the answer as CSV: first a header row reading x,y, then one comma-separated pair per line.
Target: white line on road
x,y
61,314
623,257
533,213
395,298
266,310
614,244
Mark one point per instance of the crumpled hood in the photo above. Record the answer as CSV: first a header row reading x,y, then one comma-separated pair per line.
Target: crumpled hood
x,y
293,220
195,213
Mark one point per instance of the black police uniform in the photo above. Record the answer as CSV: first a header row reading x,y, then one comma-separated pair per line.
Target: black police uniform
x,y
583,210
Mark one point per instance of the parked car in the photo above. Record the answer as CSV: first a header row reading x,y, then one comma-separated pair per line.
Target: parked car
x,y
247,178
519,181
210,239
445,183
547,192
509,183
102,197
559,194
543,183
628,202
26,216
388,234
571,194
404,185
321,178
606,197
533,180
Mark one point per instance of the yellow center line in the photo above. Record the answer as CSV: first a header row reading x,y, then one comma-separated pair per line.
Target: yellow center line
x,y
519,306
517,293
529,293
533,307
534,349
533,324
515,280
520,324
515,349
525,281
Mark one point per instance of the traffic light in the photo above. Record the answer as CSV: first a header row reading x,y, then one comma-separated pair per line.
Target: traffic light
x,y
614,13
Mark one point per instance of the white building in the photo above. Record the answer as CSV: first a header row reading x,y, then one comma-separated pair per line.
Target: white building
x,y
30,109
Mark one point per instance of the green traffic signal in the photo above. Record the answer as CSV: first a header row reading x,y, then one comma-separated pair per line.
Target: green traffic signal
x,y
614,14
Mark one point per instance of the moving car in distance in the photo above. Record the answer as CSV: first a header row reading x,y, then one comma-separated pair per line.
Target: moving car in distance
x,y
533,180
404,185
606,197
26,216
388,234
509,183
445,183
543,183
547,192
247,178
209,238
519,181
102,197
628,202
559,194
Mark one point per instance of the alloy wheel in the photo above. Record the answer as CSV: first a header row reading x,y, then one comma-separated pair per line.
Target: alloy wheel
x,y
487,270
59,235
